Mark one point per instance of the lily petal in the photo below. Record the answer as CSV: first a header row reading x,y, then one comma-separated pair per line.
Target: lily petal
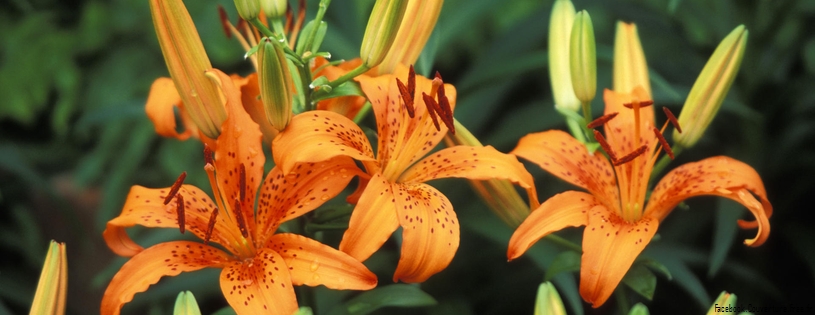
x,y
145,207
160,102
308,186
312,263
373,220
347,106
610,246
620,130
430,232
250,93
317,136
719,176
146,268
560,154
567,209
259,286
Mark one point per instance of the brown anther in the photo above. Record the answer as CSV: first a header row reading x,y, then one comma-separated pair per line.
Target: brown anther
x,y
242,182
179,209
644,103
664,143
601,120
242,26
672,118
211,225
631,156
208,155
604,144
289,15
407,97
175,188
430,103
225,21
411,84
445,111
241,219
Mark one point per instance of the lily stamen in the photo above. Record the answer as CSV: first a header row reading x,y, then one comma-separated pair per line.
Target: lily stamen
x,y
407,96
431,105
601,120
664,143
175,188
631,156
179,208
241,220
642,104
211,225
672,119
604,144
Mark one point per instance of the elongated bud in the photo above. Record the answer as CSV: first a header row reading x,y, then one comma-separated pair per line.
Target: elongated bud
x,y
275,83
274,8
248,9
548,300
185,304
725,303
630,68
187,61
583,58
53,286
499,194
383,26
414,31
560,30
639,309
711,87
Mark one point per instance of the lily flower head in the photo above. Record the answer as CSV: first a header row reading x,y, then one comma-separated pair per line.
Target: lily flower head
x,y
237,229
396,193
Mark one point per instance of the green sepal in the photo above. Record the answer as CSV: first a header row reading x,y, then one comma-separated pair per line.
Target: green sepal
x,y
318,38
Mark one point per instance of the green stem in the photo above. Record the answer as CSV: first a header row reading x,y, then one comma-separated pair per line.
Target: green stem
x,y
576,129
664,161
268,33
317,19
305,82
362,112
564,243
348,76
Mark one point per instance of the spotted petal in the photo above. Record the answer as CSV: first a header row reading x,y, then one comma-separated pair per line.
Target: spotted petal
x,y
373,220
620,130
160,102
146,268
312,263
430,231
250,98
568,209
719,176
610,246
261,285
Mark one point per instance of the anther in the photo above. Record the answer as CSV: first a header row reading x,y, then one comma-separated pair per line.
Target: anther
x,y
645,103
179,208
664,143
406,96
289,19
672,119
411,84
604,144
211,225
208,155
601,120
631,156
430,103
175,188
225,21
241,219
242,182
444,109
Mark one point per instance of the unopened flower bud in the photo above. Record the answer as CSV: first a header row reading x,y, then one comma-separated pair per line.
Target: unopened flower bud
x,y
548,300
560,30
630,68
53,285
583,58
185,304
187,62
275,83
274,8
711,87
381,31
248,9
414,31
725,303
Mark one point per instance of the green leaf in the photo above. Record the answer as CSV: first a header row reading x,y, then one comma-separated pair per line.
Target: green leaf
x,y
349,88
318,37
727,213
641,280
305,310
403,295
656,266
225,311
566,261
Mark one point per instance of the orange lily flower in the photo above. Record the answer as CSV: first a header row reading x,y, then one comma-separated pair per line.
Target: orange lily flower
x,y
259,267
396,194
619,224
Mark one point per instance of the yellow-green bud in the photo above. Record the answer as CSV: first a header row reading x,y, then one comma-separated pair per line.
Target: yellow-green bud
x,y
583,58
548,301
560,29
248,9
417,25
275,83
382,28
721,304
185,304
638,309
709,90
274,8
53,285
630,68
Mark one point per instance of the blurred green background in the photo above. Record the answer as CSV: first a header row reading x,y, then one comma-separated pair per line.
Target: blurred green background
x,y
74,77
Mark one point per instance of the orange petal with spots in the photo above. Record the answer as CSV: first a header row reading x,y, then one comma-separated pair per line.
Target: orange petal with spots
x,y
317,136
560,154
620,130
373,220
260,285
160,102
309,185
567,209
401,136
250,98
146,268
430,232
145,207
718,176
610,246
238,144
313,263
